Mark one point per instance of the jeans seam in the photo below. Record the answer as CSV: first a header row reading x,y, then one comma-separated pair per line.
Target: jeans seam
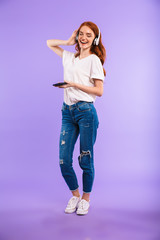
x,y
71,141
91,161
92,147
72,156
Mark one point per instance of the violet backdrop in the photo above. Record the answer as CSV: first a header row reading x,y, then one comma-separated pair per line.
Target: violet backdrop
x,y
126,151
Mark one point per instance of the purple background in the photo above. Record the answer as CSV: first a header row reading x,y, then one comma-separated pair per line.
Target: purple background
x,y
33,193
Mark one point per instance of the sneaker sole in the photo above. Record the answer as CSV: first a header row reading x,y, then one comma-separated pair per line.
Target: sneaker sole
x,y
70,211
82,213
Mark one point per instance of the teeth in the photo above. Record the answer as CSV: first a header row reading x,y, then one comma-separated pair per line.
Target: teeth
x,y
83,42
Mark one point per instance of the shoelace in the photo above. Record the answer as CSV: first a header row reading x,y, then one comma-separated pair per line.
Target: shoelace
x,y
82,204
71,202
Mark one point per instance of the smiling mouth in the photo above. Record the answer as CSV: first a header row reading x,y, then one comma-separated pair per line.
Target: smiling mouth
x,y
83,42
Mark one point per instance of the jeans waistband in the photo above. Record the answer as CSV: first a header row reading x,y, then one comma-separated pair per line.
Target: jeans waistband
x,y
75,105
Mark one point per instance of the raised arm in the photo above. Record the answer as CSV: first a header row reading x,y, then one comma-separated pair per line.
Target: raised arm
x,y
53,44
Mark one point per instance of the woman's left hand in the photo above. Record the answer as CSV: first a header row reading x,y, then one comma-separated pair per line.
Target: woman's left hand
x,y
69,84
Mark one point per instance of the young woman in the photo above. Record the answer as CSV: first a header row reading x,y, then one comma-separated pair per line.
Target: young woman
x,y
84,75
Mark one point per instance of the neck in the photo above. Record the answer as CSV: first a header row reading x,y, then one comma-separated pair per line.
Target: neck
x,y
84,53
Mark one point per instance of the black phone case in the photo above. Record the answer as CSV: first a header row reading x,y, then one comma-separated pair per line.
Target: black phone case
x,y
59,84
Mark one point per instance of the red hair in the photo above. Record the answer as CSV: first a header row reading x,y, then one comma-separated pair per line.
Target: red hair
x,y
99,49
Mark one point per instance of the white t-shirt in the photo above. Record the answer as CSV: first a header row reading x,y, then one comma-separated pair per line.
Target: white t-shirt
x,y
80,71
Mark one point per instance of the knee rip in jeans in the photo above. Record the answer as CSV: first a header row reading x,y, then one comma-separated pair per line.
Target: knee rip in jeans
x,y
63,142
63,132
84,153
61,161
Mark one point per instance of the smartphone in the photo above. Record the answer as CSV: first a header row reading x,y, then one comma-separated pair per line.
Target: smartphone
x,y
59,84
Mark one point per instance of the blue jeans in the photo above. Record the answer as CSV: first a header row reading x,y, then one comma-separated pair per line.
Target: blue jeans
x,y
78,119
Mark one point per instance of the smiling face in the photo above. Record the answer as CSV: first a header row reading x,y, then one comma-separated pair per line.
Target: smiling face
x,y
85,37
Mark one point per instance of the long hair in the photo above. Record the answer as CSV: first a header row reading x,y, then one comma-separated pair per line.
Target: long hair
x,y
99,49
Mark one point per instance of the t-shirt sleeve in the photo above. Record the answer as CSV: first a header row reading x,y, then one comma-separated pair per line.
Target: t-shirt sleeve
x,y
66,57
97,69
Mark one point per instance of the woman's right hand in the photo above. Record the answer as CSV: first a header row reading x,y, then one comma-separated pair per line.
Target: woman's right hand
x,y
72,39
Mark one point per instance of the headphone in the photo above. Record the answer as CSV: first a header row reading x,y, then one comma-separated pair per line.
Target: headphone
x,y
95,41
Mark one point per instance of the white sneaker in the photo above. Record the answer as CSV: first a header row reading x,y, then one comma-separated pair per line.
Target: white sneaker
x,y
72,204
83,207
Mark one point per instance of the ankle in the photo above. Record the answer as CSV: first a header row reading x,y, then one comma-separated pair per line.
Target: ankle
x,y
87,199
86,196
76,193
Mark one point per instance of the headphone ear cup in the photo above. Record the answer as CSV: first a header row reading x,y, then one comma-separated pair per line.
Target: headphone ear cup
x,y
95,41
77,37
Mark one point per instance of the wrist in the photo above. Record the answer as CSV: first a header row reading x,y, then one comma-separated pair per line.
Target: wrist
x,y
74,84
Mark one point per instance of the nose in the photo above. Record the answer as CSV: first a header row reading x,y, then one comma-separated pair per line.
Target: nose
x,y
83,38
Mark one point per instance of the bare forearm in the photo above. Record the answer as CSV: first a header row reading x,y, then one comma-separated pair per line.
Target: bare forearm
x,y
91,90
56,42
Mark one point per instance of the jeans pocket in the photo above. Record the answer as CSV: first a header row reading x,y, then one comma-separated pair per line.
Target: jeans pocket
x,y
84,107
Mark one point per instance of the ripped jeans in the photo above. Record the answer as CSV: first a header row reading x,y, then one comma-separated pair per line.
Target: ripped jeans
x,y
78,119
